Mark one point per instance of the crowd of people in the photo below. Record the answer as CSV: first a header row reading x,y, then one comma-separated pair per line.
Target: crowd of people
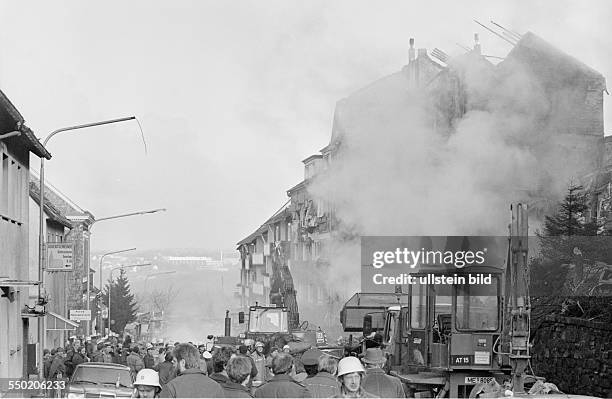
x,y
183,370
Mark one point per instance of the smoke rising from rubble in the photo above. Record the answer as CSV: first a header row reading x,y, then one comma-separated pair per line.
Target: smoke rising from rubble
x,y
394,175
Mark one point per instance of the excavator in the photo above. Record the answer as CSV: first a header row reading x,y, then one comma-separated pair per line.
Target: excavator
x,y
278,324
465,340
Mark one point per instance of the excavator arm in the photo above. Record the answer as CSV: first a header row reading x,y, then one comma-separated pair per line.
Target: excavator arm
x,y
282,290
518,306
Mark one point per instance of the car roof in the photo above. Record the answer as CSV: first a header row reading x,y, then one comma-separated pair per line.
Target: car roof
x,y
104,365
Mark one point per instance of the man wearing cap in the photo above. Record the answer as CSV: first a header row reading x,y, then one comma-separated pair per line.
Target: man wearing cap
x,y
321,369
260,364
282,385
376,381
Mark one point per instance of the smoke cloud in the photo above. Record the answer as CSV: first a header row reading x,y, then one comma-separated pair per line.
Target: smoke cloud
x,y
396,175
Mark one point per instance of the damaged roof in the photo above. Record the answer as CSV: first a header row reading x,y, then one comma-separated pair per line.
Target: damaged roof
x,y
281,214
11,120
547,60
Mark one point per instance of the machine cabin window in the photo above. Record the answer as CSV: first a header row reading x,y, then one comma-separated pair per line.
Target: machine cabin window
x,y
477,307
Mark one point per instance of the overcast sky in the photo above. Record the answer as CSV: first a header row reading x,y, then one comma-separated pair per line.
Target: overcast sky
x,y
232,95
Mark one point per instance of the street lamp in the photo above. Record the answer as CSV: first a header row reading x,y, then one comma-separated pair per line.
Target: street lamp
x,y
110,285
101,330
41,235
88,328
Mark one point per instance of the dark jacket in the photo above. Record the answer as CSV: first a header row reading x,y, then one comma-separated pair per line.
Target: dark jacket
x,y
219,378
48,359
192,383
149,361
235,390
135,363
282,386
166,371
77,359
68,363
378,383
322,385
57,367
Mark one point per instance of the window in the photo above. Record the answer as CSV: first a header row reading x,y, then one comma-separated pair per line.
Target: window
x,y
477,307
418,306
4,193
12,191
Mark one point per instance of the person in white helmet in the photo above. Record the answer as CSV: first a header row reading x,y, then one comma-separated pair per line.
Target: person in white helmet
x,y
147,384
260,364
350,377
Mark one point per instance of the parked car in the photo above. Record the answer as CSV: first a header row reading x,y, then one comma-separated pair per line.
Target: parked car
x,y
100,380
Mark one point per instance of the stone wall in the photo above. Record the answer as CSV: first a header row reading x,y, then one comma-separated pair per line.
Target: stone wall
x,y
574,354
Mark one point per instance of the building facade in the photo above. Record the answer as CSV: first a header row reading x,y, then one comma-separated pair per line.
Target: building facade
x,y
557,99
17,142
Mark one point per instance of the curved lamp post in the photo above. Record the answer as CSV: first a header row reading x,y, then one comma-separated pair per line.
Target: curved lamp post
x,y
41,235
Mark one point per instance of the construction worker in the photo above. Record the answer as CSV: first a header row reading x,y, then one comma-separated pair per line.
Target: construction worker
x,y
147,384
376,381
260,364
350,377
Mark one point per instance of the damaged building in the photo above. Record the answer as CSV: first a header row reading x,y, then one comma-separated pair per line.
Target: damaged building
x,y
543,102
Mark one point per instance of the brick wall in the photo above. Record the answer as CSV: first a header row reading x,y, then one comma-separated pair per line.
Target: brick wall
x,y
574,354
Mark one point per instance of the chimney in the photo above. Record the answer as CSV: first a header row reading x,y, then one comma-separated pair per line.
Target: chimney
x,y
411,55
477,49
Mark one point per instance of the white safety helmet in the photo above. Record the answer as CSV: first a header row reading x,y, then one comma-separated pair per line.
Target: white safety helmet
x,y
147,377
259,344
349,365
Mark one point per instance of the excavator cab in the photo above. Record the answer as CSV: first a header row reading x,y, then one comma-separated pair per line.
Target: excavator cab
x,y
265,319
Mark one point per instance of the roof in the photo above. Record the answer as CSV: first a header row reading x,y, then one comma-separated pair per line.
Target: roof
x,y
298,186
282,213
314,156
548,61
52,212
12,120
66,207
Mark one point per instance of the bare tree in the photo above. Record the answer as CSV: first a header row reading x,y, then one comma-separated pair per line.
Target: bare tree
x,y
162,298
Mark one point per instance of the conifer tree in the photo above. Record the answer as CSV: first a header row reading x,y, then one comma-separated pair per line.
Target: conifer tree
x,y
123,305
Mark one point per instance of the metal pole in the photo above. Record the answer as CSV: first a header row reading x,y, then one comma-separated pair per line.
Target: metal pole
x,y
41,274
41,235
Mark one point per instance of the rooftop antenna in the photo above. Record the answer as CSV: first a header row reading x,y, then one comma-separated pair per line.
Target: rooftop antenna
x,y
510,33
496,34
463,47
440,55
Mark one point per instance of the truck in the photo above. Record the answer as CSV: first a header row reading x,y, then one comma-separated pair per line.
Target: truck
x,y
455,340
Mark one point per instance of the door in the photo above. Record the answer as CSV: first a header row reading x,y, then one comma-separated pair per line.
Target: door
x,y
415,327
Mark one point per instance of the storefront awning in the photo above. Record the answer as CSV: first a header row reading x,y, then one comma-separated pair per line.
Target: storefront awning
x,y
6,282
56,322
